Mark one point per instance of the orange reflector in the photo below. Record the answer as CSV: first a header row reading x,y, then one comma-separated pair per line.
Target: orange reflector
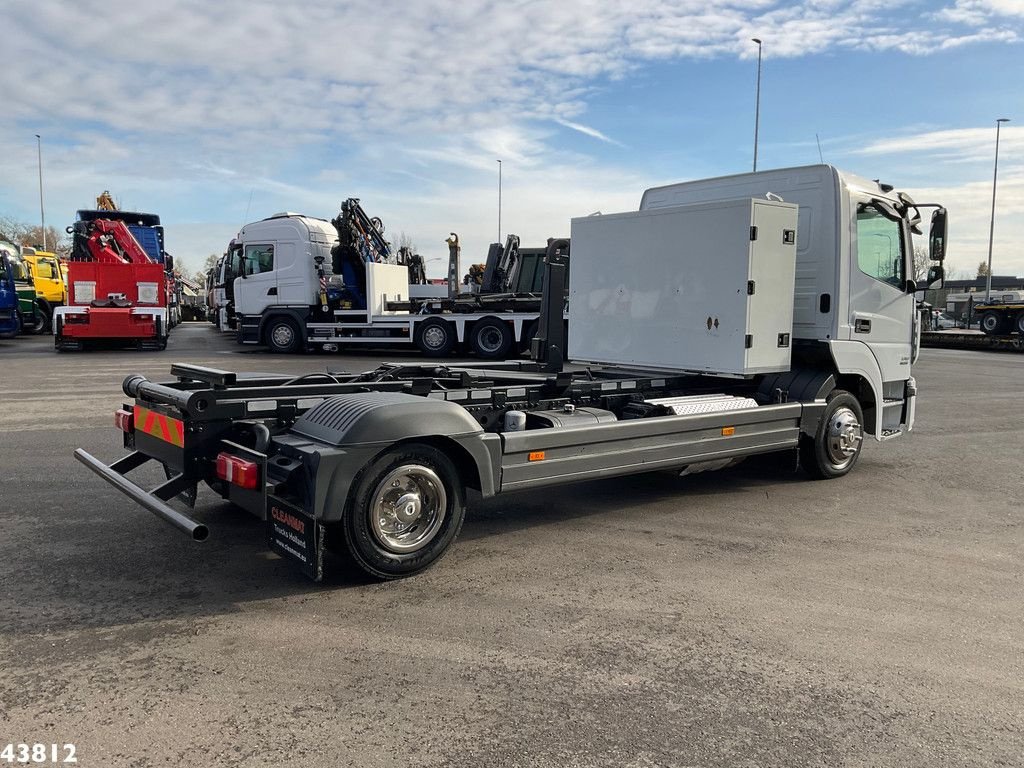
x,y
728,431
536,456
237,471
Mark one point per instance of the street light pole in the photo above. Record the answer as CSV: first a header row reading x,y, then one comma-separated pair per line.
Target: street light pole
x,y
757,103
499,201
992,223
42,214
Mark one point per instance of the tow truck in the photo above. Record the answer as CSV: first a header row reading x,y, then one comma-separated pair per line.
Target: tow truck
x,y
766,312
116,289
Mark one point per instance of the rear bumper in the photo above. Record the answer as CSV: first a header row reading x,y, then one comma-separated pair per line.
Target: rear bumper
x,y
110,322
154,501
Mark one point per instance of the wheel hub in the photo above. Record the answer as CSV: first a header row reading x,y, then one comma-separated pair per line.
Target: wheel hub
x,y
845,435
490,340
434,337
409,509
283,335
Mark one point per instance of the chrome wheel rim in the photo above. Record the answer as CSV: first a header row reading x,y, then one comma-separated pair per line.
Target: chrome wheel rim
x,y
845,435
435,336
408,508
283,335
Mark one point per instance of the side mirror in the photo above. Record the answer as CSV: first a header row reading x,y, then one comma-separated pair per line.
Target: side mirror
x,y
936,277
168,262
937,236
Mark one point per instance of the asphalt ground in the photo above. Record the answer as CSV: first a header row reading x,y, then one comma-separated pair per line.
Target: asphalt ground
x,y
748,617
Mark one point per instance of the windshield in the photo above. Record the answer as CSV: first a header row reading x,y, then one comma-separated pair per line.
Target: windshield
x,y
233,267
18,268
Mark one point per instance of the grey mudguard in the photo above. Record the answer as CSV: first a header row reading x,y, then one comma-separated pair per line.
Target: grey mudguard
x,y
383,417
349,431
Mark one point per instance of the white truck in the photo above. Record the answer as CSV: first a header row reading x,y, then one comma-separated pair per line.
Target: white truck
x,y
761,313
293,292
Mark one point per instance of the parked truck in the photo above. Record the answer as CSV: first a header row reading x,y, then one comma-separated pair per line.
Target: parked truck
x,y
763,312
44,268
117,287
30,315
304,282
1001,315
10,323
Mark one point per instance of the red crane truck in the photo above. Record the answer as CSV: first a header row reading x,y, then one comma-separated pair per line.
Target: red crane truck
x,y
116,290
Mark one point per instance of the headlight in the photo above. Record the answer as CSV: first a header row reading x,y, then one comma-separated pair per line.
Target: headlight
x,y
148,292
85,291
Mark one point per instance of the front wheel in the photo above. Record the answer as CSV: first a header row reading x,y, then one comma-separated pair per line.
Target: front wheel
x,y
36,323
1018,322
837,443
405,512
282,335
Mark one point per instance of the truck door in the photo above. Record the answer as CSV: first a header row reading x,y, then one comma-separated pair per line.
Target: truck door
x,y
297,283
881,310
256,289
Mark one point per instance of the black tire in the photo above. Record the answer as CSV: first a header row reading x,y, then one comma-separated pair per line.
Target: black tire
x,y
435,337
1018,322
36,324
281,335
992,323
836,446
406,510
43,307
491,339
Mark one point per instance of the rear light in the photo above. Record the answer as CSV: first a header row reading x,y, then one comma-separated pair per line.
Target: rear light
x,y
232,469
124,420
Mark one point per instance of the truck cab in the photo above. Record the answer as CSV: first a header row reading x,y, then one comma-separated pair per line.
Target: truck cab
x,y
277,287
51,286
9,323
854,299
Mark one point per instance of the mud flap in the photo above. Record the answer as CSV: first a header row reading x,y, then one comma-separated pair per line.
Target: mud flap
x,y
296,536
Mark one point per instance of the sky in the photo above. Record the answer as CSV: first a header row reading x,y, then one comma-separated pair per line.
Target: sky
x,y
215,114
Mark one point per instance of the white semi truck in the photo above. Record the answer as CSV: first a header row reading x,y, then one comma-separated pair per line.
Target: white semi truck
x,y
307,282
760,313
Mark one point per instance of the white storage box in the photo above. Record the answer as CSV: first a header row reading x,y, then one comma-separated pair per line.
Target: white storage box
x,y
705,287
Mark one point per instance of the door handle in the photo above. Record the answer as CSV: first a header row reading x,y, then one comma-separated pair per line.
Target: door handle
x,y
861,326
272,291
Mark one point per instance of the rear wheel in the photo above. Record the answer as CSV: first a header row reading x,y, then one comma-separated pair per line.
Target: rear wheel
x,y
406,511
491,338
991,322
435,337
836,445
1018,322
282,335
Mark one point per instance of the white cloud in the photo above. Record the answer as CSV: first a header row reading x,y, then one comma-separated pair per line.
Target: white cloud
x,y
194,105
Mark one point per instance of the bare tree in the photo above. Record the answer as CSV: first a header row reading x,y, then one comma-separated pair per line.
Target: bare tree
x,y
32,235
982,269
920,264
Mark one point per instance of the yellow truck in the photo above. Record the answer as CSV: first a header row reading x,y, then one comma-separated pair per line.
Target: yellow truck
x,y
49,279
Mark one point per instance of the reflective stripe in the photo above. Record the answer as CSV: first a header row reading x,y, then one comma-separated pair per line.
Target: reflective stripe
x,y
156,424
